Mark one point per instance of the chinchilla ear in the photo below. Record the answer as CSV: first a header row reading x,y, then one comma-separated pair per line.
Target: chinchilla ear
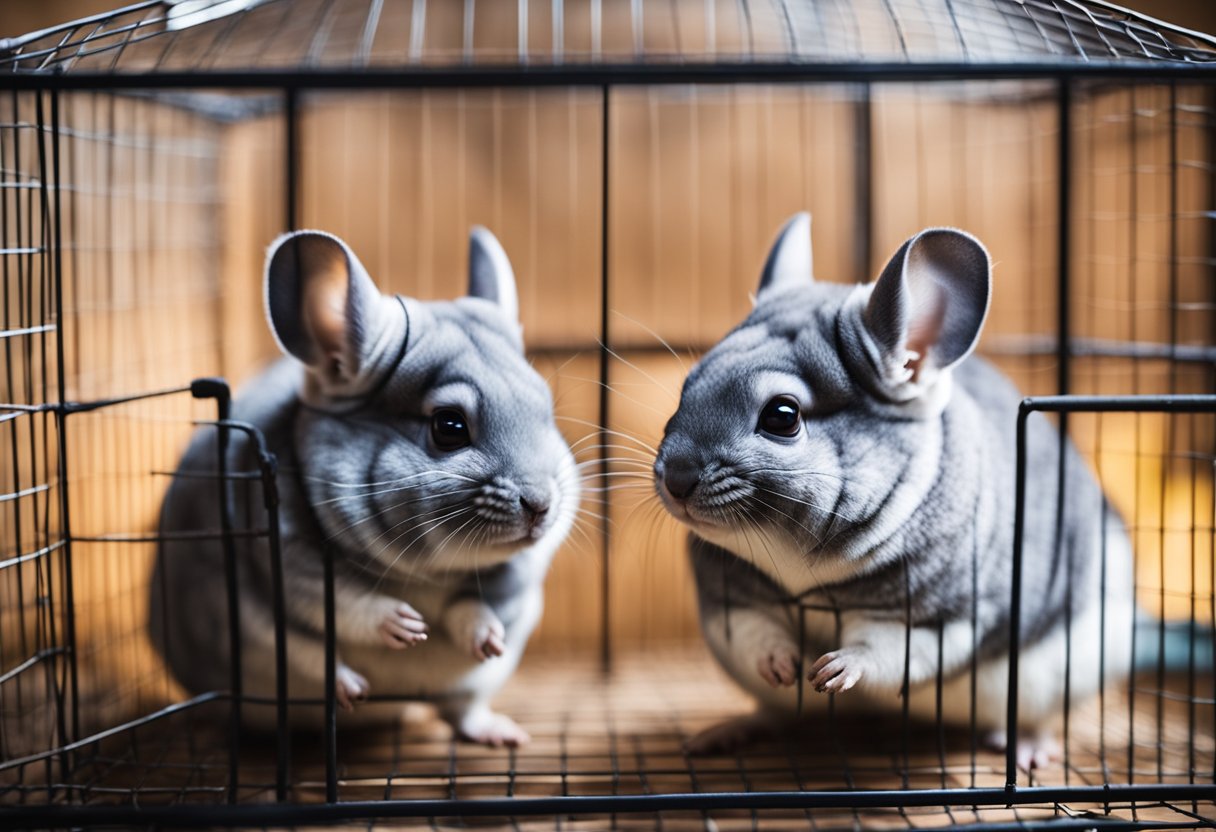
x,y
323,307
789,260
490,273
929,303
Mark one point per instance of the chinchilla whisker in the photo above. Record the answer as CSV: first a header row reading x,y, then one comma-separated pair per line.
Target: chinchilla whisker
x,y
393,507
767,547
634,459
426,526
657,337
631,454
431,523
593,477
789,472
644,505
766,504
618,392
647,474
557,371
431,526
584,539
413,476
443,543
583,511
666,390
428,496
609,431
642,487
806,503
580,446
471,543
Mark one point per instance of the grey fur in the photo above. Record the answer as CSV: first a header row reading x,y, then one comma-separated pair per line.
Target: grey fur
x,y
445,532
894,500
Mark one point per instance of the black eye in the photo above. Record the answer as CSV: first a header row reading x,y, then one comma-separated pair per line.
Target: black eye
x,y
781,416
449,429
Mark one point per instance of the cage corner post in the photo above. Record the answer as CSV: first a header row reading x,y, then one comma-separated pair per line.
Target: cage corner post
x,y
61,412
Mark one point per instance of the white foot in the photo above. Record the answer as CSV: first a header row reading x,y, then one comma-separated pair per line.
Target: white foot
x,y
1035,749
778,665
401,626
476,628
350,687
733,734
491,728
839,670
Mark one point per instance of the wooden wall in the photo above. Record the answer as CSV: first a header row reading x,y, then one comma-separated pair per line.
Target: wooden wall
x,y
171,213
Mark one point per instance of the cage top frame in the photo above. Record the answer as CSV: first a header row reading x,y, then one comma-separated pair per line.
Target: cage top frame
x,y
370,43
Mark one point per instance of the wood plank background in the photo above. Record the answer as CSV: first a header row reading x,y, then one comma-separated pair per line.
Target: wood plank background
x,y
171,214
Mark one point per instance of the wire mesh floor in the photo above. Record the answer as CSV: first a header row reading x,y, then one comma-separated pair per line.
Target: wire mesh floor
x,y
623,733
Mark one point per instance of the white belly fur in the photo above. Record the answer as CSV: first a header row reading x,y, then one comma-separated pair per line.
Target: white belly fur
x,y
1043,668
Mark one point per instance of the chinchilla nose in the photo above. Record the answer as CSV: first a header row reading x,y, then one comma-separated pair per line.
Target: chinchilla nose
x,y
680,480
535,503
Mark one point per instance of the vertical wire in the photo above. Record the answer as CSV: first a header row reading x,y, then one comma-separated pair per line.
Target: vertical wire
x,y
694,164
331,710
1103,577
1193,632
938,712
1168,460
1015,607
1210,125
65,517
292,169
270,502
906,739
1131,277
10,348
604,366
1064,242
863,178
975,642
46,219
1064,385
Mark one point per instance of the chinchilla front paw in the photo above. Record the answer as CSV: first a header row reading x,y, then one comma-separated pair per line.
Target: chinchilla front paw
x,y
401,625
474,626
840,670
778,664
350,687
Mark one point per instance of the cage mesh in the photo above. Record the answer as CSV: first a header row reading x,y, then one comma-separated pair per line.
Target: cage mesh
x,y
134,224
167,38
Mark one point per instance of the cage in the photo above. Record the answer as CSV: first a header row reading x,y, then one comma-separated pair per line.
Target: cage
x,y
634,158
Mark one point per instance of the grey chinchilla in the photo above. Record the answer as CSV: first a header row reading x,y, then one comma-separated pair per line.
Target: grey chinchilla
x,y
418,446
843,448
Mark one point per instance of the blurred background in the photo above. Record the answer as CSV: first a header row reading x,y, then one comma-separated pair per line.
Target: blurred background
x,y
21,16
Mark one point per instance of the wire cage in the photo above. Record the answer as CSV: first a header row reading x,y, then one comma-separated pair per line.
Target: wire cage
x,y
634,158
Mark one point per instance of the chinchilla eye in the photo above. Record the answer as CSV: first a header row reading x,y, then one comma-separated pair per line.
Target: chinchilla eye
x,y
449,430
781,416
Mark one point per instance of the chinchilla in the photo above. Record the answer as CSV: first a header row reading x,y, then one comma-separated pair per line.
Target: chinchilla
x,y
843,448
416,445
